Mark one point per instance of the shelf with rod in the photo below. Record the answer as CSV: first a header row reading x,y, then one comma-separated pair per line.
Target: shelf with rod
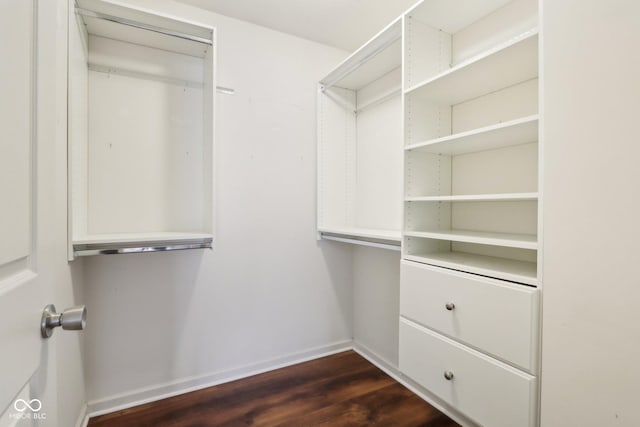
x,y
370,233
122,243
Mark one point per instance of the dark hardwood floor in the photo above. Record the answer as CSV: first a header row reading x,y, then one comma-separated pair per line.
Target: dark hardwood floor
x,y
339,390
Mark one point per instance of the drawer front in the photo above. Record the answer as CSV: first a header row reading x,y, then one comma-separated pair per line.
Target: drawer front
x,y
490,392
496,317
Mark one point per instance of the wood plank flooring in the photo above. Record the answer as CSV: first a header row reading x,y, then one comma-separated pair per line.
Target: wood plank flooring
x,y
339,390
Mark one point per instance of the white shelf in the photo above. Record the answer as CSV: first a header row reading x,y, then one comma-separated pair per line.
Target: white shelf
x,y
522,241
505,197
506,269
379,56
365,233
504,65
513,132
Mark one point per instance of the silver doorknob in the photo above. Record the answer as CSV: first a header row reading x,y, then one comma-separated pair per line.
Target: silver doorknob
x,y
71,319
449,306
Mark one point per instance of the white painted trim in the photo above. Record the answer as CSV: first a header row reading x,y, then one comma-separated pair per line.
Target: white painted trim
x,y
425,395
186,385
83,416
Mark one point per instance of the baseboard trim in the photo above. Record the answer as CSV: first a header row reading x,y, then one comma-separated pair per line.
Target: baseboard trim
x,y
393,371
83,416
186,385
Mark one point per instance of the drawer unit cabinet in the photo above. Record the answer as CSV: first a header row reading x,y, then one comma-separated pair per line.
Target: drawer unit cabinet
x,y
494,316
487,391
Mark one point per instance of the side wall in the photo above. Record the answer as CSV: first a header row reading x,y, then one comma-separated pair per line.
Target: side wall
x,y
268,292
376,302
590,345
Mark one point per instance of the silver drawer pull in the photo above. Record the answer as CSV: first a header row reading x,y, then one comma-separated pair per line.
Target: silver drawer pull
x,y
449,306
448,375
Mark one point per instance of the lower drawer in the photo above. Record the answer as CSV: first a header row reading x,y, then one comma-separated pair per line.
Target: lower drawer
x,y
488,391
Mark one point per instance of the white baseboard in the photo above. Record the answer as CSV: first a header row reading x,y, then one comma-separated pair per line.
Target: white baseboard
x,y
185,385
83,417
394,372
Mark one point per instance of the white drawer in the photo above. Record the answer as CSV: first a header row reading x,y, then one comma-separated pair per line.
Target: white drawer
x,y
490,392
493,316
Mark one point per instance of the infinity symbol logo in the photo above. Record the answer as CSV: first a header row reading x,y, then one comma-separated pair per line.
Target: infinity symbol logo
x,y
21,405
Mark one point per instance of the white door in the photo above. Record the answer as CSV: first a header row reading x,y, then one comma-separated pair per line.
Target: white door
x,y
26,249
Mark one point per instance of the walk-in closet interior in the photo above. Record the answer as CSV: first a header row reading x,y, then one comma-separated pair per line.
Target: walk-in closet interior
x,y
435,196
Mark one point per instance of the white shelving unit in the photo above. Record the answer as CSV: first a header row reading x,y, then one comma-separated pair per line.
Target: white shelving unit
x,y
360,145
471,137
142,90
467,201
471,206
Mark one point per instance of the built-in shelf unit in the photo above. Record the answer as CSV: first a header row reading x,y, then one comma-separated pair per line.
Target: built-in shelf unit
x,y
452,159
469,313
141,117
471,137
360,145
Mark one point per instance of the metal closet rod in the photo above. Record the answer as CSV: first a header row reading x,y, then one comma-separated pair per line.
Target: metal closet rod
x,y
135,24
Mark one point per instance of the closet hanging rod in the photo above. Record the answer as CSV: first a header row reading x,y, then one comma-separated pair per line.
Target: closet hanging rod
x,y
140,25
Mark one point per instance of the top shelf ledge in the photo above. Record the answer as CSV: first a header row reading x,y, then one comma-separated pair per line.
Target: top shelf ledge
x,y
379,56
506,64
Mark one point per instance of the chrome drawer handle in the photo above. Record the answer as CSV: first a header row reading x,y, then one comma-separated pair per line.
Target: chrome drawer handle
x,y
449,306
448,375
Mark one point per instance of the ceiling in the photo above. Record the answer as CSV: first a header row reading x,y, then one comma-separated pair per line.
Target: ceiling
x,y
345,24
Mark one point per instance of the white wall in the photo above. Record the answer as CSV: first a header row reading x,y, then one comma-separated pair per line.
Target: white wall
x,y
591,315
268,289
376,301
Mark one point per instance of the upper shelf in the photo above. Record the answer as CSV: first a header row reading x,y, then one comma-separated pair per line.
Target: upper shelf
x,y
507,64
113,21
513,132
379,56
